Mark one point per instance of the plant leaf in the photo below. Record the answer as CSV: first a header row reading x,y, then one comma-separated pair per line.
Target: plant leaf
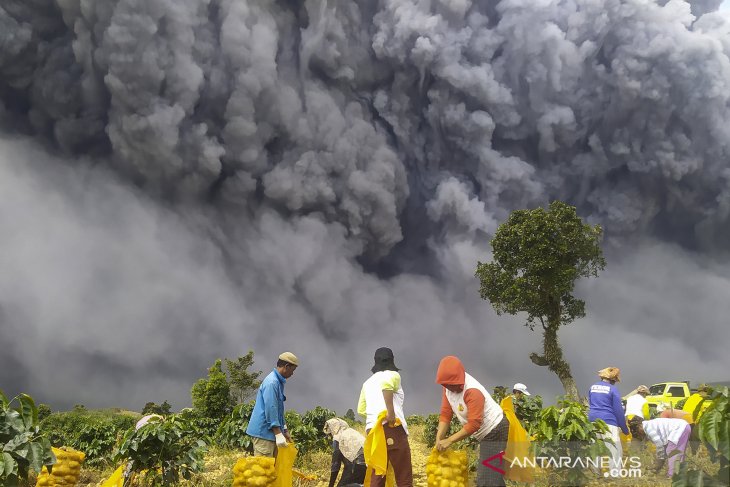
x,y
28,411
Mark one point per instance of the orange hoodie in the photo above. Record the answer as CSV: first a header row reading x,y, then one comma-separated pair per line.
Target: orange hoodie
x,y
451,372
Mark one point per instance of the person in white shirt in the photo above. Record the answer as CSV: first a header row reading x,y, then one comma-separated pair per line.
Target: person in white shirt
x,y
668,435
383,392
636,404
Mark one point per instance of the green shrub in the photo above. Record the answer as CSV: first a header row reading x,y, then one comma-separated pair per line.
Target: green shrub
x,y
714,432
308,433
528,409
23,445
565,431
431,424
166,450
232,432
93,432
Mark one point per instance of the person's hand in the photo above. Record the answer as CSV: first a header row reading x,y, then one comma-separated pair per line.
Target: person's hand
x,y
444,444
280,440
390,418
288,436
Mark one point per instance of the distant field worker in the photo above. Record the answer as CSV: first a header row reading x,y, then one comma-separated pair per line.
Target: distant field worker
x,y
347,451
637,405
480,417
668,435
266,427
383,392
604,402
519,390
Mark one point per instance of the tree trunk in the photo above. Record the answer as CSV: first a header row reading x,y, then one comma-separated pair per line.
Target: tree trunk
x,y
553,359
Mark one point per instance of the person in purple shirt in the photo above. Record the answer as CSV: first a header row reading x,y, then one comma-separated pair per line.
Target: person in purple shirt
x,y
604,402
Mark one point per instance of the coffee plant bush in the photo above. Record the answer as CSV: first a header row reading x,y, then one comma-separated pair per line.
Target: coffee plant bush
x,y
714,432
565,431
95,433
232,432
24,448
162,452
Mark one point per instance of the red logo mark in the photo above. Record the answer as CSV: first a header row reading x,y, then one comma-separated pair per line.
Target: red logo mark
x,y
487,463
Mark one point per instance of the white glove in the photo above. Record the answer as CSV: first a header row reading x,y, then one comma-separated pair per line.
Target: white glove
x,y
280,440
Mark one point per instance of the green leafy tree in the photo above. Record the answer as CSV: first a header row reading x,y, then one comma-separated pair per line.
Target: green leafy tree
x,y
243,383
350,417
212,396
165,408
165,450
23,447
537,257
152,408
44,410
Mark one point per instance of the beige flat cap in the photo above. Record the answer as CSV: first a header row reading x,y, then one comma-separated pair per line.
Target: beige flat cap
x,y
289,357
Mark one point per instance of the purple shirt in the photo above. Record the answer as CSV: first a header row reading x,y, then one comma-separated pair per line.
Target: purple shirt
x,y
604,402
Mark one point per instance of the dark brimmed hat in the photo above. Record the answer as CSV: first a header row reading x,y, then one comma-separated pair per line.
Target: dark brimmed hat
x,y
384,356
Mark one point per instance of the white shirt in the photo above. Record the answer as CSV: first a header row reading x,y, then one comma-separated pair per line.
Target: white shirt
x,y
663,430
635,405
372,402
492,412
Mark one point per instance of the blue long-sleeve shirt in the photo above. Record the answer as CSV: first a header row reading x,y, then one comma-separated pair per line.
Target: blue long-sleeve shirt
x,y
268,411
604,402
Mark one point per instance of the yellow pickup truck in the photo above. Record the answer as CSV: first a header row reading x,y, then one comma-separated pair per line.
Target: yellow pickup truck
x,y
666,395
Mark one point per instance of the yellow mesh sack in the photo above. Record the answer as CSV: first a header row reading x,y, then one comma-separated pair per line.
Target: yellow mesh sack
x,y
66,470
447,469
284,465
254,472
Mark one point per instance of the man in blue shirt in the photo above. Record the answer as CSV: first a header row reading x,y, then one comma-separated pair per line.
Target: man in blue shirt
x,y
266,427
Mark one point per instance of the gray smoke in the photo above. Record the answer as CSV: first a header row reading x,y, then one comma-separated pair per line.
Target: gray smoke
x,y
323,176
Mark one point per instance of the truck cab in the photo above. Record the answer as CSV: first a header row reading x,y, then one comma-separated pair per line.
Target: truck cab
x,y
667,394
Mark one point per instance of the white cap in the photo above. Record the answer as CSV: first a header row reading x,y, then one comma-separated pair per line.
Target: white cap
x,y
522,388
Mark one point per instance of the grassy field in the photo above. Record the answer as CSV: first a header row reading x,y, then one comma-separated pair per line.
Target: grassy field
x,y
219,464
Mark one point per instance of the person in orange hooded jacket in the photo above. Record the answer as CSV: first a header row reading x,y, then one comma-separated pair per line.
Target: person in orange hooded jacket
x,y
480,416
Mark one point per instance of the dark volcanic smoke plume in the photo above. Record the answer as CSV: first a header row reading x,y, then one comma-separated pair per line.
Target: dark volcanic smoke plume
x,y
187,179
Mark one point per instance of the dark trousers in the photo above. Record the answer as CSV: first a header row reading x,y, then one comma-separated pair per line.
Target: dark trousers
x,y
353,473
492,444
399,455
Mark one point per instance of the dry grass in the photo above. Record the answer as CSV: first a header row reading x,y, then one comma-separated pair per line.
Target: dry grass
x,y
219,468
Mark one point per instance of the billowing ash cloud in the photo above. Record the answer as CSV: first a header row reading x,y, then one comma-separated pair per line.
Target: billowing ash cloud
x,y
323,176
